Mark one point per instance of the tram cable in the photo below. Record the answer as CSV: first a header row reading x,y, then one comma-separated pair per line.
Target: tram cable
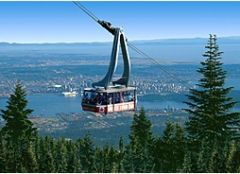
x,y
140,52
88,12
137,50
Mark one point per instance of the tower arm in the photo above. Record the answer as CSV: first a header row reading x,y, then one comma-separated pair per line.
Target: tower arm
x,y
108,26
119,40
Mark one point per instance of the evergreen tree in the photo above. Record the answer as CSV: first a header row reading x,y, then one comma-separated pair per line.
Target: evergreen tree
x,y
51,146
2,154
73,162
187,163
167,146
209,105
120,156
141,143
29,161
10,162
129,160
99,164
18,132
204,156
86,154
238,169
218,158
109,159
169,150
41,152
179,144
61,156
36,149
233,160
16,116
158,155
50,167
45,154
105,161
141,129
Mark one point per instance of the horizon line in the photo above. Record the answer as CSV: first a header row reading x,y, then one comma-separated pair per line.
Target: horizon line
x,y
99,42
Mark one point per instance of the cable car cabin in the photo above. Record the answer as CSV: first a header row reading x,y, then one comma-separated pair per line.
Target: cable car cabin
x,y
113,99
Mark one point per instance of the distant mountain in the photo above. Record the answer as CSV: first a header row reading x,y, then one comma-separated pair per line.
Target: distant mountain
x,y
186,50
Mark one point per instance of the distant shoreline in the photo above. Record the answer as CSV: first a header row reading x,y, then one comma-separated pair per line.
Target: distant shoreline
x,y
110,42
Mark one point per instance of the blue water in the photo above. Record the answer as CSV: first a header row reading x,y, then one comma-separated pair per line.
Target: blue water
x,y
50,104
45,105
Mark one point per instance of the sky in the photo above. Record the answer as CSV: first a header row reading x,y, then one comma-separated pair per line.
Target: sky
x,y
51,22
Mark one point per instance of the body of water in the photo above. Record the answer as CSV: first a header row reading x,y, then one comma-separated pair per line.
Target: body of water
x,y
48,104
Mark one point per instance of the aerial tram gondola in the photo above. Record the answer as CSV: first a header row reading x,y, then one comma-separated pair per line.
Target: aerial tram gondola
x,y
108,96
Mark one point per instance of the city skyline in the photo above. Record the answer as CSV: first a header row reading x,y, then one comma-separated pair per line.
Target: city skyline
x,y
53,22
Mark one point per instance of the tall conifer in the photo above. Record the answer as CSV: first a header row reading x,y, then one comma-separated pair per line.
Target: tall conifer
x,y
19,133
210,107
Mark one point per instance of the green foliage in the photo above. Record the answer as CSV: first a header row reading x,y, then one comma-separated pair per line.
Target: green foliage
x,y
169,150
106,160
29,161
16,116
73,162
61,156
2,154
187,163
141,130
204,156
19,133
86,154
233,160
139,152
218,158
209,105
120,156
45,149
